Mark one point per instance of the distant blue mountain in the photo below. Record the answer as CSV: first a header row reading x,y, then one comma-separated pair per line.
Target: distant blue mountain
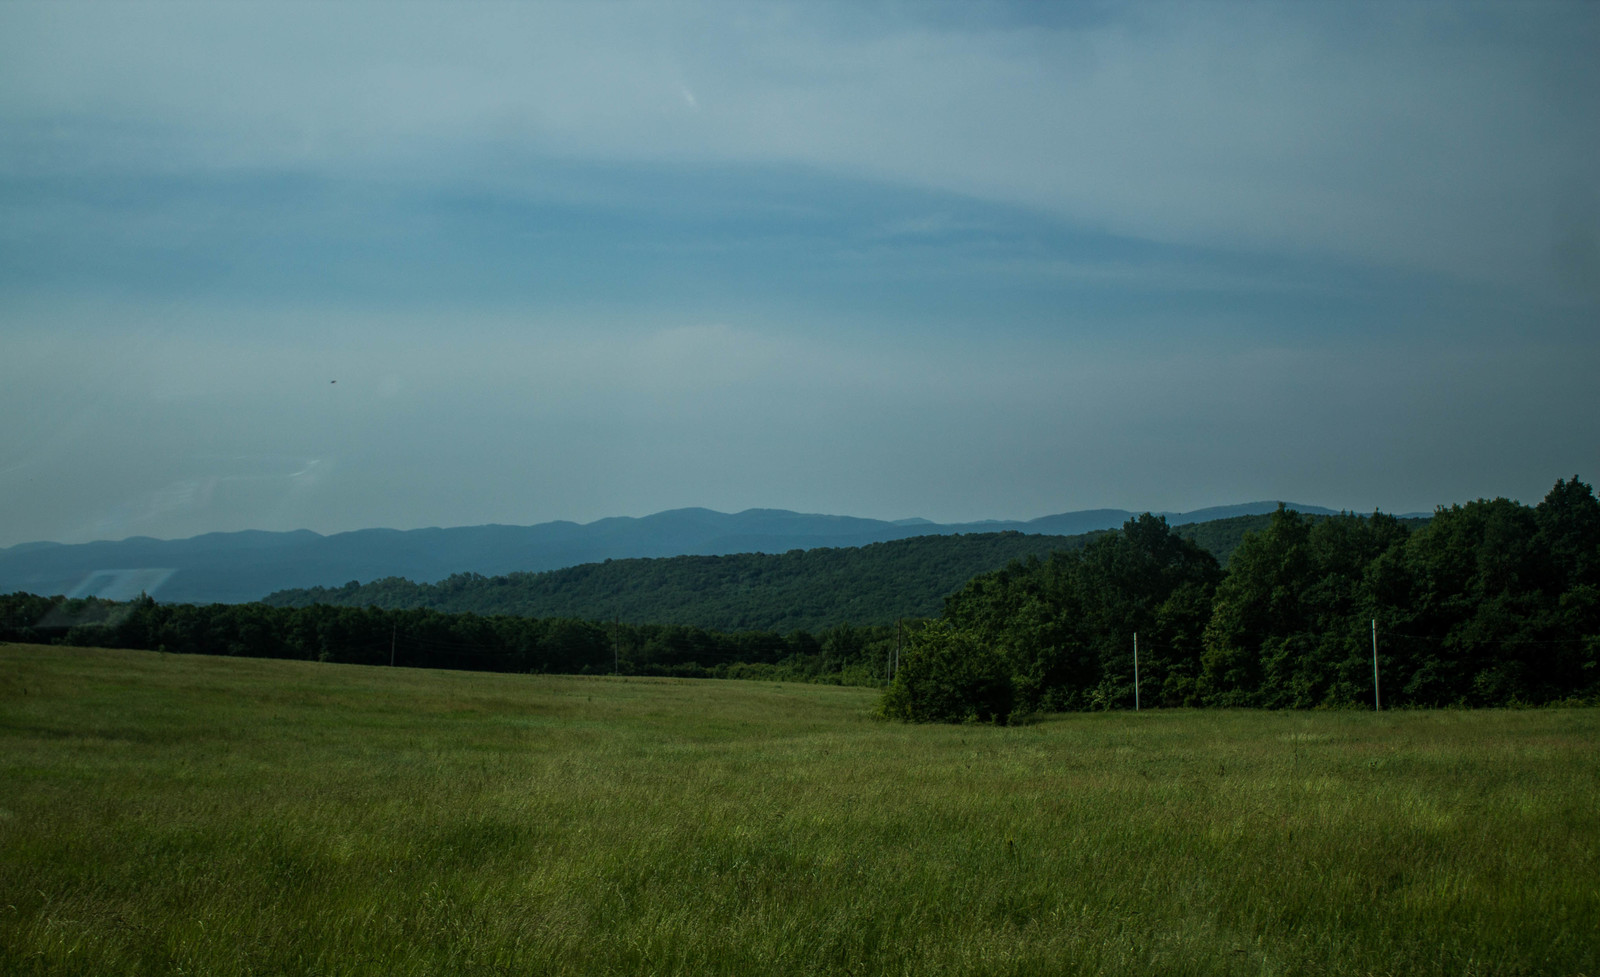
x,y
246,566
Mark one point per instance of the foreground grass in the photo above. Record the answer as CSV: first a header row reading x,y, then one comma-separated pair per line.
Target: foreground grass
x,y
167,814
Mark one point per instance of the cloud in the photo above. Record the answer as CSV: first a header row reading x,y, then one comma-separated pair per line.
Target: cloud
x,y
961,261
1445,138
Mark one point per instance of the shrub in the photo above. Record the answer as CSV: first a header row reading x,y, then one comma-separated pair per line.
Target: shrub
x,y
948,676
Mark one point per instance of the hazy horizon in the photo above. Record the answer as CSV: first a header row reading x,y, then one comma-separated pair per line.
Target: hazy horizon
x,y
908,520
272,266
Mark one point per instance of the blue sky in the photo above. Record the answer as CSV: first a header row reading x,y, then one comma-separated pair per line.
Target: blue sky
x,y
953,261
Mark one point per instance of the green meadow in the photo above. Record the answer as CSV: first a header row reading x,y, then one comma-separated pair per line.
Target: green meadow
x,y
166,814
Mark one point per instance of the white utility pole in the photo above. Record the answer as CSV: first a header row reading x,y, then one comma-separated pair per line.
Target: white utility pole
x,y
1377,704
1135,671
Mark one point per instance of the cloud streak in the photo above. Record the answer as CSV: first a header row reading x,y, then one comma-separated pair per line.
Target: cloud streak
x,y
966,261
1410,136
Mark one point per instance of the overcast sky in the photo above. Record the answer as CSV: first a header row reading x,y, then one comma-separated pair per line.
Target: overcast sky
x,y
877,259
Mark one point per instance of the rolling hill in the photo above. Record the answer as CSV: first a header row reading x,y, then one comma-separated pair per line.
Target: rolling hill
x,y
245,566
798,590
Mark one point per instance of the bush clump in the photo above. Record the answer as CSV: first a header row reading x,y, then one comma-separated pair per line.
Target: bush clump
x,y
948,675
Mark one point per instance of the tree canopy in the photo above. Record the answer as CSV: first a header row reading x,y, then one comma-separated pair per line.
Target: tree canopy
x,y
1487,603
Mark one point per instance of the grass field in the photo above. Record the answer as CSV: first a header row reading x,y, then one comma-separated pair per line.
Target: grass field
x,y
164,814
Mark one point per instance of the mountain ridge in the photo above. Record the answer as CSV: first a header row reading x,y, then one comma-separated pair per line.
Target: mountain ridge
x,y
246,565
809,590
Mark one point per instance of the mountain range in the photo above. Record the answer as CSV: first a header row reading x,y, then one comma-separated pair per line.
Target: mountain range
x,y
246,566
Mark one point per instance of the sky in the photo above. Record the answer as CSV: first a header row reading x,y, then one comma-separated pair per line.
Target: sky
x,y
337,266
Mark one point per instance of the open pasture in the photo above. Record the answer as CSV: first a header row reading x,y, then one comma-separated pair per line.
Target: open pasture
x,y
165,814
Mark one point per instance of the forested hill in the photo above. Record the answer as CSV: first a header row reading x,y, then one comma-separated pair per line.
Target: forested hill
x,y
799,590
1491,603
806,590
1221,537
241,566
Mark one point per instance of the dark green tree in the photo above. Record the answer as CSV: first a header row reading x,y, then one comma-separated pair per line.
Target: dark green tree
x,y
1290,626
1064,626
1569,532
948,675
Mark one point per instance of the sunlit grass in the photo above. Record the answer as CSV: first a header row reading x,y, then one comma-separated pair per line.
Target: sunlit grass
x,y
167,814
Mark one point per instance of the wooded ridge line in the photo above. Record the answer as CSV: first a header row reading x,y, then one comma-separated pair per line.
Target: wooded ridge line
x,y
1488,603
799,590
246,566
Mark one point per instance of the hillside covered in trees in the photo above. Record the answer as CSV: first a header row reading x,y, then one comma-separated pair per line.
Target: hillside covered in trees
x,y
799,590
1489,603
239,567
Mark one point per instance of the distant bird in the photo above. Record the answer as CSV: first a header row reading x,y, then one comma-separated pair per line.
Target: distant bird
x,y
333,381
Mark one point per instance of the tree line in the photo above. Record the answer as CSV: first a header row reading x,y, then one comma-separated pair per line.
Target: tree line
x,y
1490,603
426,638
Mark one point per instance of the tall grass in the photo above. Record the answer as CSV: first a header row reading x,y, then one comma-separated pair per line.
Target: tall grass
x,y
170,814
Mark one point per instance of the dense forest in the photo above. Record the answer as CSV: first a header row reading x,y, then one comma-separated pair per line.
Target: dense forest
x,y
798,590
1488,603
808,590
431,639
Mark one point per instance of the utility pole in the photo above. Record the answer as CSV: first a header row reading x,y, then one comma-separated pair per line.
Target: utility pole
x,y
616,644
1377,704
394,631
1135,671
